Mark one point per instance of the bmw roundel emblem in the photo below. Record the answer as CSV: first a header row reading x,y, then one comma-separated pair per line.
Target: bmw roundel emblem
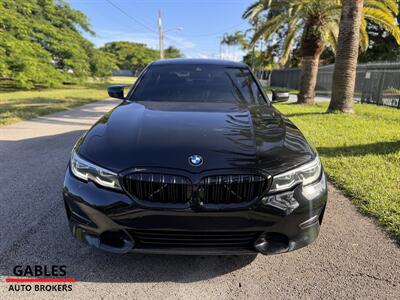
x,y
195,160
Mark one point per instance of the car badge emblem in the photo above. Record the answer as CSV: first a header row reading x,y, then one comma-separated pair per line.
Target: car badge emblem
x,y
195,160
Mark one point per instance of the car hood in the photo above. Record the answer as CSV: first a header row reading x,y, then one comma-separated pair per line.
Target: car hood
x,y
164,135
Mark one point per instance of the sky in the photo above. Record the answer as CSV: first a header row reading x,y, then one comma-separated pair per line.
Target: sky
x,y
202,23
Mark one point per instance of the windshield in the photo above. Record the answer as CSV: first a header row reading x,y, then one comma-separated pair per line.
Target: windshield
x,y
198,83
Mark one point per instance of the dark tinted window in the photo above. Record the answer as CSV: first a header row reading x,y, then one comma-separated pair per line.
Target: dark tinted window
x,y
198,83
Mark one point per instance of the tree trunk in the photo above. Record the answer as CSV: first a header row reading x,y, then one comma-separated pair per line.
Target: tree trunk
x,y
312,46
344,75
308,80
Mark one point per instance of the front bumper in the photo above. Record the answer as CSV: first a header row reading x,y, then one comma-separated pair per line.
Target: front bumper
x,y
113,222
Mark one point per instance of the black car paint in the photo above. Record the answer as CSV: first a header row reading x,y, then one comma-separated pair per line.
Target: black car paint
x,y
161,136
255,137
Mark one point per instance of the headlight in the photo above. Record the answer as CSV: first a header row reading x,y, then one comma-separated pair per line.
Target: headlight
x,y
305,174
88,171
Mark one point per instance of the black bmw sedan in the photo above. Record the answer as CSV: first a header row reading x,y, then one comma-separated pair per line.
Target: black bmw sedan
x,y
195,160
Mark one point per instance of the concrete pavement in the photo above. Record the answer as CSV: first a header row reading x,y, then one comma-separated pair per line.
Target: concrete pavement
x,y
352,257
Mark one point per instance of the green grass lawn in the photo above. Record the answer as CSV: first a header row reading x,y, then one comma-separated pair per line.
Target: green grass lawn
x,y
360,153
19,105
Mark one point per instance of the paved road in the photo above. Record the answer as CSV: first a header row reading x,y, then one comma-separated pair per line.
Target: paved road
x,y
293,98
318,98
351,259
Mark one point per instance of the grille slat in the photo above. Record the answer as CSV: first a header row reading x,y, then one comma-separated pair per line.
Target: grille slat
x,y
174,189
231,189
194,239
196,234
158,187
197,239
186,243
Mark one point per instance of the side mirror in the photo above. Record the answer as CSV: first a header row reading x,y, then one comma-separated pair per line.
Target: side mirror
x,y
280,95
116,91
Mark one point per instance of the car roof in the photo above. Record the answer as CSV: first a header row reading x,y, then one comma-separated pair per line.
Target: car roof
x,y
198,61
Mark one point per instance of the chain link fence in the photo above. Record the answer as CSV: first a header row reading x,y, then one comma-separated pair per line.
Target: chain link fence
x,y
376,83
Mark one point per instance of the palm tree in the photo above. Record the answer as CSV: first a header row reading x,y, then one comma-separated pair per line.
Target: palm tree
x,y
316,24
281,17
344,75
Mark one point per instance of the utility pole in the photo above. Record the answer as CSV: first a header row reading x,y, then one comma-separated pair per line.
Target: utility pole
x,y
161,35
220,48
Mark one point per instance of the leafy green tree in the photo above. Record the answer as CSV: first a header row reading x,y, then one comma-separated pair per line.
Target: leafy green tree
x,y
172,52
256,58
315,23
260,60
238,38
134,56
130,55
382,45
41,43
101,63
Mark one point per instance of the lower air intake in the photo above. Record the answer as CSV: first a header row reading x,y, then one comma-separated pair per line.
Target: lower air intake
x,y
194,239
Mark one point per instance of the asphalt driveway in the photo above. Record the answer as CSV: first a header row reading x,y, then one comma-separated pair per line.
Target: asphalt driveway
x,y
352,257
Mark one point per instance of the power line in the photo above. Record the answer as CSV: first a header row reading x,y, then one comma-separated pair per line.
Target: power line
x,y
215,33
189,36
166,37
137,21
130,17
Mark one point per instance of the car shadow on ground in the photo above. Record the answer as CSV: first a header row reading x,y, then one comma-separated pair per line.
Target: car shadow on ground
x,y
162,268
51,243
